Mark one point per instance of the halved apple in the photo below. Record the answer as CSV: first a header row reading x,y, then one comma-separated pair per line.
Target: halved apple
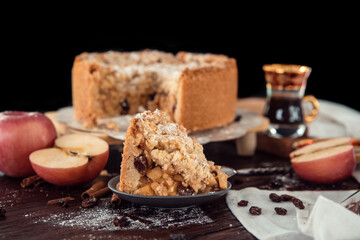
x,y
321,145
75,159
328,164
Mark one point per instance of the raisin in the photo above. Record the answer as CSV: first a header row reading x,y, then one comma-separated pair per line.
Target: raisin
x,y
297,203
243,203
286,198
174,107
125,107
237,118
274,197
255,210
215,188
152,96
214,173
122,222
280,211
185,191
92,69
141,164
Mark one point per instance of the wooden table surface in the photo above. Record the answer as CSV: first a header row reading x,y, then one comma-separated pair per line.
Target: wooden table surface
x,y
28,216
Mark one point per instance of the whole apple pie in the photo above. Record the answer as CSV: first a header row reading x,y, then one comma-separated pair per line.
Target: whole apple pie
x,y
198,91
160,159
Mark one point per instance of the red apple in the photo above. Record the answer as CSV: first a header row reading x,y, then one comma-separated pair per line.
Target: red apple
x,y
321,145
21,133
327,165
75,159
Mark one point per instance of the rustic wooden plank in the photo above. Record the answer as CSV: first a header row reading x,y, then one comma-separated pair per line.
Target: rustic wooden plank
x,y
28,216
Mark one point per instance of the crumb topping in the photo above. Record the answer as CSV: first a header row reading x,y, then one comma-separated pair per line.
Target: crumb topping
x,y
170,147
121,83
150,59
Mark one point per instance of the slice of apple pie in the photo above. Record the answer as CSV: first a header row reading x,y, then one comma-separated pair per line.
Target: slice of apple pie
x,y
160,159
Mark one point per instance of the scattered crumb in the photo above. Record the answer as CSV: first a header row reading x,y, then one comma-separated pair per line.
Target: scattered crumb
x,y
104,173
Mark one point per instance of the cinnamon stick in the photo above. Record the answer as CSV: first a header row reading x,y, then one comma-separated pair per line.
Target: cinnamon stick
x,y
89,202
101,192
26,182
38,183
64,202
94,188
93,197
115,200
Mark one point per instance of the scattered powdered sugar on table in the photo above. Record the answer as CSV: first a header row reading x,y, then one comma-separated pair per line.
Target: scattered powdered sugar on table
x,y
100,218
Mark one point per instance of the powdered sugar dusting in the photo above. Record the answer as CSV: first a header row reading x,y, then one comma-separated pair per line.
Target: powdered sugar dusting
x,y
156,125
100,218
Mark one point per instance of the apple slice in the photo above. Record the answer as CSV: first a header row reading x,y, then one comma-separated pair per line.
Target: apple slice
x,y
328,165
76,159
321,145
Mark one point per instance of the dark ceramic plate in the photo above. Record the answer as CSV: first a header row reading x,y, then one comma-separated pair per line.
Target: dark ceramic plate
x,y
168,201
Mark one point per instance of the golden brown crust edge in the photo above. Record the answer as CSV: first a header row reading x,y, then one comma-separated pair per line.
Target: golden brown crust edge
x,y
128,174
218,86
82,90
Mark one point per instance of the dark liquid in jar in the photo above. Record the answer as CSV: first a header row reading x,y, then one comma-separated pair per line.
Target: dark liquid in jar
x,y
284,110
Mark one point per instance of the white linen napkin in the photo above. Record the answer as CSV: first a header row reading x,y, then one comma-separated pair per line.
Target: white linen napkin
x,y
329,220
296,224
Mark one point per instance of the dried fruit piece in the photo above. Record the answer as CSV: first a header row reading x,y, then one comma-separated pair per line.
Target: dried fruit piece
x,y
255,210
274,197
125,107
297,203
122,222
115,200
237,118
141,164
286,198
280,211
215,188
243,203
185,191
152,96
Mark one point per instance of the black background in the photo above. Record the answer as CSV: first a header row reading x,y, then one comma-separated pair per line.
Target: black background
x,y
37,68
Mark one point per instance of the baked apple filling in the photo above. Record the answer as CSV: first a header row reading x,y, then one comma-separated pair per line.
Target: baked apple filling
x,y
156,181
161,159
